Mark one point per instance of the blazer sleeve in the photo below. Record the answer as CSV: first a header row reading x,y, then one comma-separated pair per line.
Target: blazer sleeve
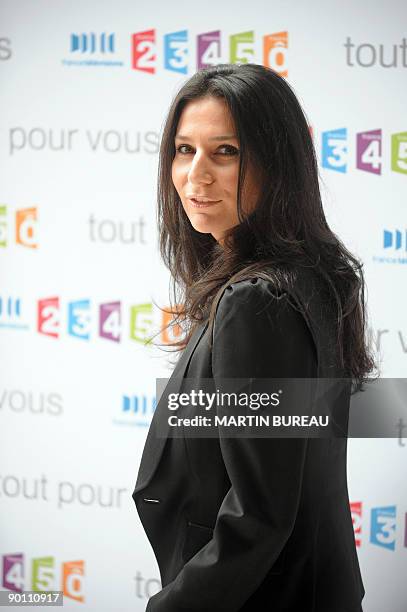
x,y
256,334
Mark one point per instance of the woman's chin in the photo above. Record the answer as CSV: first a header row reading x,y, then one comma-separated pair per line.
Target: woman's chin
x,y
202,226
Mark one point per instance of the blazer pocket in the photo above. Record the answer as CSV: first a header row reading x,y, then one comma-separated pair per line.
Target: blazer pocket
x,y
197,536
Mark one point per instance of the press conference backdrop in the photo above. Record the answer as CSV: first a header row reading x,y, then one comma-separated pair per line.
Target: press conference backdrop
x,y
85,89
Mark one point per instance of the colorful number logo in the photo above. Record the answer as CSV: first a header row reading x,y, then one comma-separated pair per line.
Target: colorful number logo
x,y
110,321
369,151
144,51
48,317
383,527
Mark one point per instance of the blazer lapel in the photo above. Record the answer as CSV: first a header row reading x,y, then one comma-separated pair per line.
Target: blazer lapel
x,y
155,443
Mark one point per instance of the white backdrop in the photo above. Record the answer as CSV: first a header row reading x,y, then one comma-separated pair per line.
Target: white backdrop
x,y
85,88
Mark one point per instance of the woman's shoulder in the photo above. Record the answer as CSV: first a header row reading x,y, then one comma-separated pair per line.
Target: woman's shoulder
x,y
301,285
257,317
262,293
253,296
272,285
289,302
287,298
255,286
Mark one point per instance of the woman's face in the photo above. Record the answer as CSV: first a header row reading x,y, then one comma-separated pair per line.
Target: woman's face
x,y
206,167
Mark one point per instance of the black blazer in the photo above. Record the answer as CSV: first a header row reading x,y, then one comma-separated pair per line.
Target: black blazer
x,y
252,524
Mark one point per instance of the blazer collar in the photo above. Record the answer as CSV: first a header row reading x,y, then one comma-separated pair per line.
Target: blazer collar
x,y
154,444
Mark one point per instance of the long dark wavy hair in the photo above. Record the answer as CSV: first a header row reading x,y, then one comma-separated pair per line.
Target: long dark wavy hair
x,y
287,229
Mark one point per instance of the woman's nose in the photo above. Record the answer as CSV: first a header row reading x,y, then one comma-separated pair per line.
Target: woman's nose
x,y
198,171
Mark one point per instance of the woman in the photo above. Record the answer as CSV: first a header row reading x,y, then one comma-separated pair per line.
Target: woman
x,y
268,290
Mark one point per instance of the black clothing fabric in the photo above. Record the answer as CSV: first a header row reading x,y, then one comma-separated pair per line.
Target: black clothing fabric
x,y
251,524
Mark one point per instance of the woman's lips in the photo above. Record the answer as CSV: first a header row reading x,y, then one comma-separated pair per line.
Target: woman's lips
x,y
196,204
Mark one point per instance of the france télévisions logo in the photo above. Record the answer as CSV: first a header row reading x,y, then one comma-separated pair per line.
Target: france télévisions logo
x,y
136,410
11,315
104,43
395,239
91,49
394,244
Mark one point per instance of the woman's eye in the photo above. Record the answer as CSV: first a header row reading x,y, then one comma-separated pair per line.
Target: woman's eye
x,y
180,147
229,149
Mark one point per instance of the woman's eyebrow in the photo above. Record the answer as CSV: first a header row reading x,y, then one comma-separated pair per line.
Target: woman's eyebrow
x,y
225,137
